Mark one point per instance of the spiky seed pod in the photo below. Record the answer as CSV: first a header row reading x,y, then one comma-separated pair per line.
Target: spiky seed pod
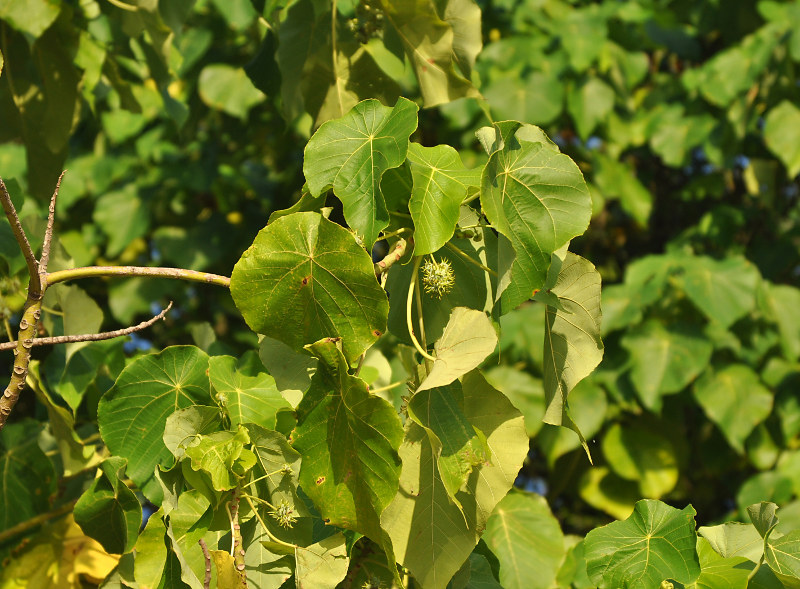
x,y
437,277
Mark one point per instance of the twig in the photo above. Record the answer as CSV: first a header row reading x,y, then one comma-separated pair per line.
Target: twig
x,y
207,556
398,251
29,524
99,271
90,337
237,550
35,285
48,233
388,387
453,248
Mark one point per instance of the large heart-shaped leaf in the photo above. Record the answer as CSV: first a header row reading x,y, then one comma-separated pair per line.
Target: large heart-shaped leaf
x,y
717,572
734,539
655,543
572,344
537,198
351,154
434,552
348,439
108,510
735,400
133,413
440,184
527,540
468,338
305,278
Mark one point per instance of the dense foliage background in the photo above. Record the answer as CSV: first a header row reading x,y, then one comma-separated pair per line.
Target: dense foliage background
x,y
182,125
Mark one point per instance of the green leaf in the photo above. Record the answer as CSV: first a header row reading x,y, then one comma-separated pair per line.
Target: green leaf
x,y
322,565
524,391
132,415
664,359
228,89
734,539
223,457
735,400
431,551
27,477
458,447
291,370
151,552
122,216
348,439
572,344
783,557
779,135
589,103
475,573
655,543
274,454
538,99
724,290
644,456
782,305
109,511
32,17
430,45
305,278
440,184
717,572
615,178
351,154
468,338
248,394
527,541
189,521
538,199
763,517
184,424
604,490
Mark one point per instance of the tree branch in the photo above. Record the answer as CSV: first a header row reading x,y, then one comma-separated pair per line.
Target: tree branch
x,y
35,285
175,273
89,337
29,524
398,251
48,234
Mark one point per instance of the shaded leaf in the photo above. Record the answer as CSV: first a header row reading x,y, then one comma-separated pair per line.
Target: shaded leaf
x,y
108,510
322,565
132,415
779,137
644,456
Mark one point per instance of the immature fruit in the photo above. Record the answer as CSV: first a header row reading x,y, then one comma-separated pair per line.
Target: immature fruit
x,y
437,277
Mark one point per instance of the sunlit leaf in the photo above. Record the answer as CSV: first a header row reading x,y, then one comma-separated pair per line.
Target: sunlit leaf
x,y
223,457
527,540
778,125
733,539
537,198
350,155
305,278
322,565
655,543
644,456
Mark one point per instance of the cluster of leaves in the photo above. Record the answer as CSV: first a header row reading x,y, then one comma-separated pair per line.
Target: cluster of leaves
x,y
184,122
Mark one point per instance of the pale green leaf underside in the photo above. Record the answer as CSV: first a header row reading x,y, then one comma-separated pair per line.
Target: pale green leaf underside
x,y
351,154
322,565
305,278
468,338
427,529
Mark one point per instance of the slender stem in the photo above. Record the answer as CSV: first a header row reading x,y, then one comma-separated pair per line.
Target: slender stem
x,y
388,387
48,233
396,214
453,248
264,501
360,364
176,273
409,299
123,6
7,327
264,525
29,524
469,199
35,285
233,526
420,319
395,233
207,557
90,337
